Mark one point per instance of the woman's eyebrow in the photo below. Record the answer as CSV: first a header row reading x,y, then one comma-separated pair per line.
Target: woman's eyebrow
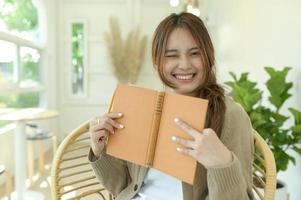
x,y
171,51
176,51
194,48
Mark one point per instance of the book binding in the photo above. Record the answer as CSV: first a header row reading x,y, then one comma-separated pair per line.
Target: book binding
x,y
155,127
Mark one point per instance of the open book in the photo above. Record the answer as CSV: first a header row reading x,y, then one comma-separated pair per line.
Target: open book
x,y
148,117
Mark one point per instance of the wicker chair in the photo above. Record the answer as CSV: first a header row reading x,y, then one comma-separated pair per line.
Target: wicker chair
x,y
264,170
73,178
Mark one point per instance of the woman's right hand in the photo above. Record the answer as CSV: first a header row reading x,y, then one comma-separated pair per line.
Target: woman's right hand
x,y
100,127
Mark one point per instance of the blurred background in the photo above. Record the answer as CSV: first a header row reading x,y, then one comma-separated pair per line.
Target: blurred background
x,y
68,56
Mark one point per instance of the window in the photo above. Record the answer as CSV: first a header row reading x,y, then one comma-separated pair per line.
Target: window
x,y
20,68
20,18
7,62
78,57
17,76
30,71
19,65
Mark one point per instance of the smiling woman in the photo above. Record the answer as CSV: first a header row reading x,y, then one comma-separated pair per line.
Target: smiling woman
x,y
183,62
187,40
183,55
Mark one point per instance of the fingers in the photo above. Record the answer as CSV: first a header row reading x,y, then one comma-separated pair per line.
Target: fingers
x,y
97,120
186,151
184,142
100,136
115,115
108,128
188,129
208,131
114,123
105,121
100,127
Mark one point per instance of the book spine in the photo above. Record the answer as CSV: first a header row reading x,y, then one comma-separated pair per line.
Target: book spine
x,y
155,128
110,107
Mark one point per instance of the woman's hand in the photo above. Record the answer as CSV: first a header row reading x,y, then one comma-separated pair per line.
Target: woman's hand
x,y
205,146
100,127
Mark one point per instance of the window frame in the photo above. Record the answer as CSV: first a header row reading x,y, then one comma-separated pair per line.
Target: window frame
x,y
84,95
20,42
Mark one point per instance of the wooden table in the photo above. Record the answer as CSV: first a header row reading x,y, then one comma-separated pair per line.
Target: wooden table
x,y
19,117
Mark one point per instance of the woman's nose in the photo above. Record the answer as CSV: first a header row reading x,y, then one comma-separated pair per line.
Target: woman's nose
x,y
184,63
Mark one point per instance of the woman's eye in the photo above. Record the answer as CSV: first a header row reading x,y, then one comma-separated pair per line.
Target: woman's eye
x,y
170,56
195,53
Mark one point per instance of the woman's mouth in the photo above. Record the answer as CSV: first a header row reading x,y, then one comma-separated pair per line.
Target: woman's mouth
x,y
184,77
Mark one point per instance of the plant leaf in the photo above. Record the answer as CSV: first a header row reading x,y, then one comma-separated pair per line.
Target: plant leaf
x,y
297,129
281,159
296,114
277,86
280,119
298,150
233,76
244,91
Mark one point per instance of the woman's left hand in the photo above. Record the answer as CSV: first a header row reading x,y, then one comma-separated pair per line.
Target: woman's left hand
x,y
205,146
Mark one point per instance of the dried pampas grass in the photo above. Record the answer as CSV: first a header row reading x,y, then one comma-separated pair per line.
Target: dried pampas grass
x,y
126,56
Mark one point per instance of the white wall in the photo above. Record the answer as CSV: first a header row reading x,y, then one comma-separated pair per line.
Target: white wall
x,y
101,82
249,35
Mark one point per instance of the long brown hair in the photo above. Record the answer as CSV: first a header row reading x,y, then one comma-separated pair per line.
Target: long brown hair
x,y
209,89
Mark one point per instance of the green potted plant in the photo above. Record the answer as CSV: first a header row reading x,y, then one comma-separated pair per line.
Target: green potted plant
x,y
270,121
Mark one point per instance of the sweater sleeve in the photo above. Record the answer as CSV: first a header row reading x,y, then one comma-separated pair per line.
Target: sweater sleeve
x,y
112,173
234,180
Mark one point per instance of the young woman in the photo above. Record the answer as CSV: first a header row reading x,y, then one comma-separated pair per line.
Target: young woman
x,y
183,55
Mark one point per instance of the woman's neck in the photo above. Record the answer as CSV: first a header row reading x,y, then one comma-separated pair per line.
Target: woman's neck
x,y
191,94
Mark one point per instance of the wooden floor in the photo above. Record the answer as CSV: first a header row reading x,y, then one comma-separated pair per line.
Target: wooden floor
x,y
42,183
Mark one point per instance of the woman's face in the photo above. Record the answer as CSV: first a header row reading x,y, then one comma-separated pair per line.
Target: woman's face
x,y
183,66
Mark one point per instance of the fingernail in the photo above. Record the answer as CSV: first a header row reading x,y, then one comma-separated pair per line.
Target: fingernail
x,y
178,149
176,119
173,138
120,114
121,126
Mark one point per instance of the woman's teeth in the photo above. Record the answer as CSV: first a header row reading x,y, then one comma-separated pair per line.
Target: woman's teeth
x,y
184,77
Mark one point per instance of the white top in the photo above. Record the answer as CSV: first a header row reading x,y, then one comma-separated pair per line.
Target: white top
x,y
160,186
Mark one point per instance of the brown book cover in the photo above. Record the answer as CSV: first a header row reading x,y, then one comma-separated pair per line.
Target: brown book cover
x,y
149,124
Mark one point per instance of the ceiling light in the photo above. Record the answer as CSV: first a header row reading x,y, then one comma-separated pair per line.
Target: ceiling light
x,y
174,3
